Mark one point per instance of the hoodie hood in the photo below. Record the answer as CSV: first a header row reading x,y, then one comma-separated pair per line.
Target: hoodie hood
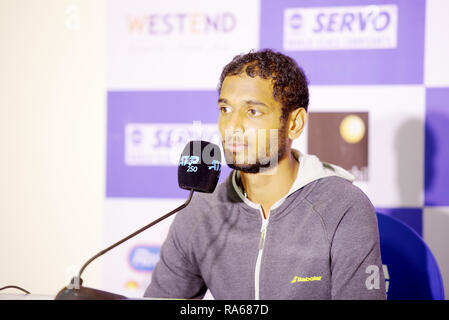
x,y
310,169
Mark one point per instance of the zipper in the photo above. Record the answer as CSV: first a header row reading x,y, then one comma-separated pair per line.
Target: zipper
x,y
263,231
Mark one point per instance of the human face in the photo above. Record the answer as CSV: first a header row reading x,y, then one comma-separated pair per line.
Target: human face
x,y
250,124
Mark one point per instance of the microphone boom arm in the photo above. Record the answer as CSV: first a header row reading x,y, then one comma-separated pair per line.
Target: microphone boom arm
x,y
203,179
135,233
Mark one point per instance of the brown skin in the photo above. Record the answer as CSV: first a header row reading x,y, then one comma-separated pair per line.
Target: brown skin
x,y
247,104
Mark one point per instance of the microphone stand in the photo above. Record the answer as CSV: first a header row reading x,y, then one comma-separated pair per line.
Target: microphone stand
x,y
75,290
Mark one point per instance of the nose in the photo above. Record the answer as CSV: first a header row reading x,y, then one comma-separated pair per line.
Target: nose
x,y
235,123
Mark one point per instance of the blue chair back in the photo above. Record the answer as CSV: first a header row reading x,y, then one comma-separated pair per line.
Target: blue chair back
x,y
411,271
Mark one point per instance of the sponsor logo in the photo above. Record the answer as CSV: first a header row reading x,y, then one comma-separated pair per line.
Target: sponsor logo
x,y
341,138
305,279
144,258
131,285
160,144
340,28
181,23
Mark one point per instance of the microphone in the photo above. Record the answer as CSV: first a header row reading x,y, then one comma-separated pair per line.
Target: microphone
x,y
199,166
199,169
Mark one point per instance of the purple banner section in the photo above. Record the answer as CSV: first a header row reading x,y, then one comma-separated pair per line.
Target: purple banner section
x,y
402,63
437,147
125,107
409,216
162,106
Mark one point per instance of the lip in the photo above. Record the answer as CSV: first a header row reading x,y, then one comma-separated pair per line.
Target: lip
x,y
236,146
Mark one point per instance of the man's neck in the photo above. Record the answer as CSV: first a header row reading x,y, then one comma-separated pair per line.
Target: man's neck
x,y
268,187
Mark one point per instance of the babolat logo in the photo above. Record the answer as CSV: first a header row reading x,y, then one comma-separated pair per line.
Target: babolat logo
x,y
144,258
341,28
305,279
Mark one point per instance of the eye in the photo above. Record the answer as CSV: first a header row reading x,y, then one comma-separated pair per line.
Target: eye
x,y
225,109
254,112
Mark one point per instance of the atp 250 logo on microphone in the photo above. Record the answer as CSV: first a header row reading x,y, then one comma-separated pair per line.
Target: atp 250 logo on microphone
x,y
340,28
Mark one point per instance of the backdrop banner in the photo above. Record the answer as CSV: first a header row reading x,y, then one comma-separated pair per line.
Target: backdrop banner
x,y
379,106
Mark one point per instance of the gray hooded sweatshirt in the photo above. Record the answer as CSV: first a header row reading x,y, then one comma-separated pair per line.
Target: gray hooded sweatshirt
x,y
320,241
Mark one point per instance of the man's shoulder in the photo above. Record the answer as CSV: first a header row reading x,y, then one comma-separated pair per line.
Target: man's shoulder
x,y
335,188
332,196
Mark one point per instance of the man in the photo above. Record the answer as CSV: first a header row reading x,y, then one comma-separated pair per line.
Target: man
x,y
284,225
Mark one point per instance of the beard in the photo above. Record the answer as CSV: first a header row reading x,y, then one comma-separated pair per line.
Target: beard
x,y
263,162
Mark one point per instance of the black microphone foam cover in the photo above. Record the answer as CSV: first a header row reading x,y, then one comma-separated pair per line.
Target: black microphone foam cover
x,y
199,166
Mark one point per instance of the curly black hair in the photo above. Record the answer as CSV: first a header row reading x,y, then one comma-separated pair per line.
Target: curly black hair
x,y
290,85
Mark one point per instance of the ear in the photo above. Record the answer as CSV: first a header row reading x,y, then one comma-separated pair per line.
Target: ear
x,y
296,122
